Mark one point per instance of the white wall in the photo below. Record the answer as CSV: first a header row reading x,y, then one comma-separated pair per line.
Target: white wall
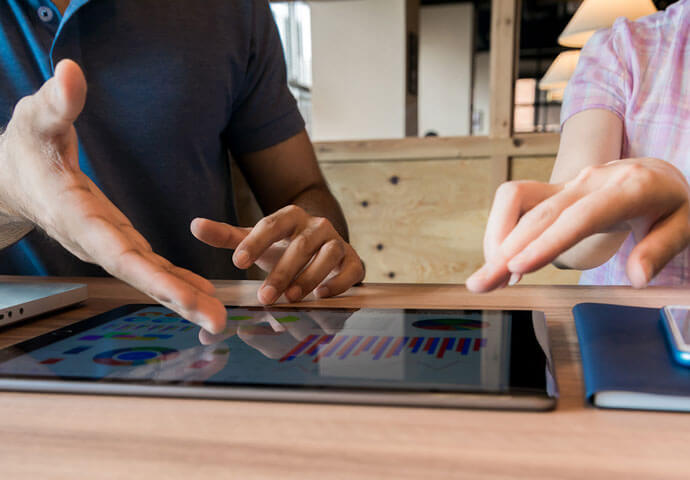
x,y
359,69
445,68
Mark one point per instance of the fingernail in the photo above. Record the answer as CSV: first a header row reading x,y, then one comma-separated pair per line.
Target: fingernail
x,y
514,279
640,275
241,258
208,326
322,292
269,294
294,293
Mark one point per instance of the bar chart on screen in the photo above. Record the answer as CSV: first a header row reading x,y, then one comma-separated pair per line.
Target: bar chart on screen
x,y
382,347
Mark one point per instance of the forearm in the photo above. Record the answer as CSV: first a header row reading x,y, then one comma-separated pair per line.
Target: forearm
x,y
318,201
603,131
12,227
289,174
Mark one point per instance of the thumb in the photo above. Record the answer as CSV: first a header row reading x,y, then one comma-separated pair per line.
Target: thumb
x,y
58,103
218,234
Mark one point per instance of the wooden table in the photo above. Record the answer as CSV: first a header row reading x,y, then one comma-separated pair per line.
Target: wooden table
x,y
72,436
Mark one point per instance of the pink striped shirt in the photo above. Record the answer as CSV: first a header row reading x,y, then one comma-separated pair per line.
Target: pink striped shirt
x,y
637,70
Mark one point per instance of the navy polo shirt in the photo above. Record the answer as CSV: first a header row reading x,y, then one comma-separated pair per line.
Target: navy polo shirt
x,y
173,86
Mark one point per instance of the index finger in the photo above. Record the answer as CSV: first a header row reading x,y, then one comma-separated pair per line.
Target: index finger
x,y
511,201
269,230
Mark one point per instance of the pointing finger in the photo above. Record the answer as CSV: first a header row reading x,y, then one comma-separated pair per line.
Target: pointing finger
x,y
218,234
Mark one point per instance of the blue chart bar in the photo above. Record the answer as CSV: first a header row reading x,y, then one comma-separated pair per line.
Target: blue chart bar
x,y
382,348
321,344
335,346
446,344
466,346
371,342
350,347
417,345
302,346
434,344
401,345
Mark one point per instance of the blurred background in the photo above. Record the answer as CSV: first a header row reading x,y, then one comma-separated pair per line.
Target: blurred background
x,y
419,109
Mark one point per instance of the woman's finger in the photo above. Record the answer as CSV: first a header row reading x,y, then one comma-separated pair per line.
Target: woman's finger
x,y
589,215
666,239
511,201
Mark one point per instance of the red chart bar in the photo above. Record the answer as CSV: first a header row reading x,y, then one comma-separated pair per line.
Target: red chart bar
x,y
444,346
394,347
298,348
415,343
479,343
328,351
464,345
348,347
384,341
429,342
324,339
365,345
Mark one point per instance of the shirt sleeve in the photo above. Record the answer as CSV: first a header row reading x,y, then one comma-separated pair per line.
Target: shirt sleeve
x,y
264,112
602,78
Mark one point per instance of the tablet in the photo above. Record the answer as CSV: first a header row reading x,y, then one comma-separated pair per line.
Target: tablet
x,y
443,358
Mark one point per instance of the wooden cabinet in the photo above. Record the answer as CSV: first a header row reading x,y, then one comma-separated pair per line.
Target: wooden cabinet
x,y
422,220
415,221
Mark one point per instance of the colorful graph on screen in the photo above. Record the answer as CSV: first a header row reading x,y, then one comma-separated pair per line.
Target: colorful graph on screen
x,y
342,346
125,357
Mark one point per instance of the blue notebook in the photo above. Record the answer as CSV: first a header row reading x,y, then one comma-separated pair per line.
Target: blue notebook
x,y
626,360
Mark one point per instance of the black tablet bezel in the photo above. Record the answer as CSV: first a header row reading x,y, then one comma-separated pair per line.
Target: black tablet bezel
x,y
525,351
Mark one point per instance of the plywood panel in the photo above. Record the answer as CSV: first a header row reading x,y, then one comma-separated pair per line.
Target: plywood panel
x,y
539,168
415,221
532,168
526,145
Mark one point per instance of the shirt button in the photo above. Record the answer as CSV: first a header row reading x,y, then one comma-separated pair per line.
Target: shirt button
x,y
45,14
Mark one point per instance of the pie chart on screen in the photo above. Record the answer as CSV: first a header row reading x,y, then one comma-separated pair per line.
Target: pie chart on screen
x,y
127,357
450,324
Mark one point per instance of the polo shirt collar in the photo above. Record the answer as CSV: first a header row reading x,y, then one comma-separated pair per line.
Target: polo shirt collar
x,y
70,12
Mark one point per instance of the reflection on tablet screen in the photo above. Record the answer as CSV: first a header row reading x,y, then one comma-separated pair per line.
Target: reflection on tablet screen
x,y
391,349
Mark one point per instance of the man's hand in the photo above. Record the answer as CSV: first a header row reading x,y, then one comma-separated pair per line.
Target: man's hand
x,y
40,181
532,223
299,251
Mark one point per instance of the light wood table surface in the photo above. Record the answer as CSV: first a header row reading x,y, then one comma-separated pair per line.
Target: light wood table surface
x,y
44,436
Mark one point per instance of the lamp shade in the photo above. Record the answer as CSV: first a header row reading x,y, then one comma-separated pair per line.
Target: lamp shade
x,y
560,71
594,15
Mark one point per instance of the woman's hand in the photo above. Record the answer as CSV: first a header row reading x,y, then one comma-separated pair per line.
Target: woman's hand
x,y
532,223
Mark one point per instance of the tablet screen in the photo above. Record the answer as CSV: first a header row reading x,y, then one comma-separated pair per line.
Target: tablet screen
x,y
413,350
